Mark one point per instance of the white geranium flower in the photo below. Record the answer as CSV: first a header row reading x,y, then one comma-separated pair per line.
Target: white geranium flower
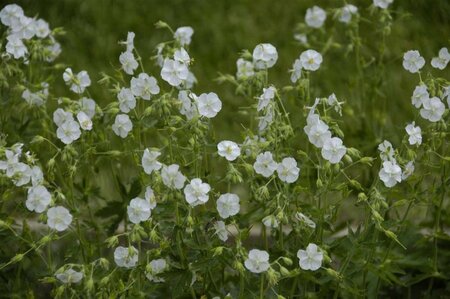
x,y
382,3
311,258
188,104
59,218
150,197
37,176
126,257
53,50
130,41
24,28
196,192
415,134
409,169
144,86
10,14
42,29
78,82
122,125
87,106
33,98
126,99
311,60
60,116
16,47
446,94
138,210
390,173
315,17
154,268
287,170
9,164
265,98
257,261
38,199
150,162
305,219
265,56
432,109
84,121
386,151
209,104
412,61
270,221
182,56
21,174
174,72
229,150
332,101
347,12
420,94
184,35
68,132
265,165
69,276
228,205
333,150
296,70
442,60
317,131
128,62
244,69
172,177
265,121
221,230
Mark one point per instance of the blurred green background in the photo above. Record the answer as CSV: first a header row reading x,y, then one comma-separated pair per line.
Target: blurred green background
x,y
223,28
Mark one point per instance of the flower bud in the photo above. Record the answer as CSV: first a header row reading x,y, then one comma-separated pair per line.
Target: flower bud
x,y
17,258
367,160
238,266
112,241
362,197
218,251
284,271
273,276
287,260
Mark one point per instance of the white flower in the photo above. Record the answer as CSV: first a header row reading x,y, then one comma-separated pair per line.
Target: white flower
x,y
386,151
244,69
126,257
446,94
311,258
37,176
122,125
301,38
174,72
390,173
58,218
305,219
172,177
16,47
221,230
53,50
138,210
266,120
60,116
33,98
287,170
432,109
87,106
184,35
126,100
420,94
333,150
149,161
346,13
12,159
333,102
70,276
68,132
209,104
154,268
38,199
265,56
21,174
315,17
150,197
182,56
10,14
128,62
84,121
144,86
412,61
316,130
41,28
196,192
188,105
270,221
409,169
415,134
265,165
382,3
228,205
311,60
442,60
229,150
257,261
24,28
130,41
296,70
190,81
78,82
267,95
